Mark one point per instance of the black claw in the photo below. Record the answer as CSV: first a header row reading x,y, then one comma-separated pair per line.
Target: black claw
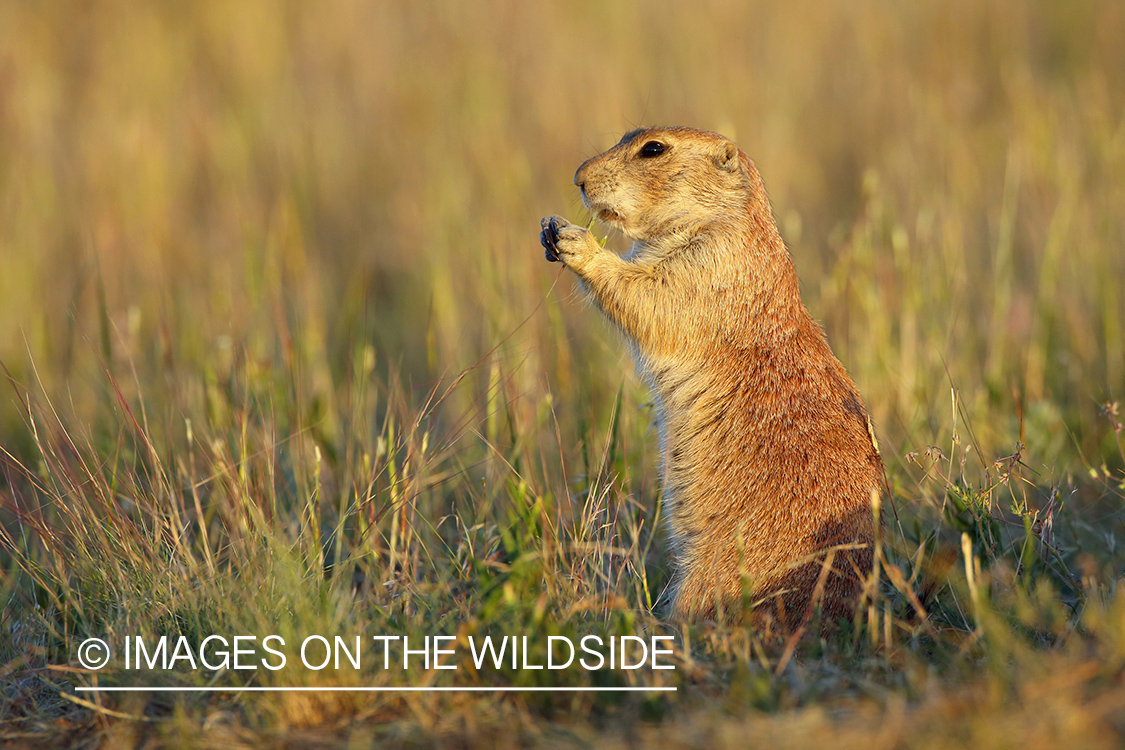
x,y
549,252
549,238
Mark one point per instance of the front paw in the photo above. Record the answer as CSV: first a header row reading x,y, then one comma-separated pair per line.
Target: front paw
x,y
563,241
549,237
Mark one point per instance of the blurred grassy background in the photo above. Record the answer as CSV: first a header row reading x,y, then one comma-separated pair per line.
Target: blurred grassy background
x,y
184,184
246,247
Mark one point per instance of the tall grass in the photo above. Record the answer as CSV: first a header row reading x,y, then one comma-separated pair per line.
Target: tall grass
x,y
283,353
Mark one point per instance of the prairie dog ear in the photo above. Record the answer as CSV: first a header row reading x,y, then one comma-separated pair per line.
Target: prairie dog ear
x,y
726,157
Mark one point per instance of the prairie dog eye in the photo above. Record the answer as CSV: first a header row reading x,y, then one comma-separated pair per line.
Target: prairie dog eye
x,y
651,149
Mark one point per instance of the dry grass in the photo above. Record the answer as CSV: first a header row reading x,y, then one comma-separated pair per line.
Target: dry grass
x,y
283,353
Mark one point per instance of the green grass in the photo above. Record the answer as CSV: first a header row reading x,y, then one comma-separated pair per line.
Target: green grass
x,y
282,356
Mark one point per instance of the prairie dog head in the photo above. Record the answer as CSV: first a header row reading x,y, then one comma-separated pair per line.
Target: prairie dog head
x,y
665,184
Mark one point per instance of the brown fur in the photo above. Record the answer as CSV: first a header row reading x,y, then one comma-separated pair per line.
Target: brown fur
x,y
768,455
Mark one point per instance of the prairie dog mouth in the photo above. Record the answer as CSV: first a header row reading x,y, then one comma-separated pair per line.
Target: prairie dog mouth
x,y
602,212
609,216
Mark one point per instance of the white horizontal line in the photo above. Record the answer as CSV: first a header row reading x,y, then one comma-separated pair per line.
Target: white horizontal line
x,y
375,689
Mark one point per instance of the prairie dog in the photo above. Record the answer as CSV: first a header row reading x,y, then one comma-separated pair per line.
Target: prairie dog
x,y
768,457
